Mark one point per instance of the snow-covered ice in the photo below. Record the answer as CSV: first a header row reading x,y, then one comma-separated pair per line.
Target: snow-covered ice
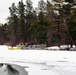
x,y
41,62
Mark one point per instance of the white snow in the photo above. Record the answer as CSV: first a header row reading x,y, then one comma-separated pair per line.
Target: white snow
x,y
41,62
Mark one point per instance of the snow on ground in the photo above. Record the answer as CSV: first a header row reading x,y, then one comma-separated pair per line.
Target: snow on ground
x,y
41,62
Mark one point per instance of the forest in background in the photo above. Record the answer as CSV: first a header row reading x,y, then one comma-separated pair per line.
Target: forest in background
x,y
51,23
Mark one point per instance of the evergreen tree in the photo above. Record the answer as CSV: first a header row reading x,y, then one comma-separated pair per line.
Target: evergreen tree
x,y
42,5
21,22
33,27
65,8
41,26
29,19
12,25
3,34
71,22
52,25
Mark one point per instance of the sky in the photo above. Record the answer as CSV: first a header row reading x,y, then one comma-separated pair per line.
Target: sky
x,y
4,8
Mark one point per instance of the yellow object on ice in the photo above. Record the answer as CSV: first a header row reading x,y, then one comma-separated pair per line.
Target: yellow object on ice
x,y
15,48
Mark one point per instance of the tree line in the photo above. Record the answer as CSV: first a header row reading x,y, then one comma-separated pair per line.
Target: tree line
x,y
51,23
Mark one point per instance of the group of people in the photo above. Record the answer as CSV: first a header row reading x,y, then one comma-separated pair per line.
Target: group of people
x,y
25,45
22,45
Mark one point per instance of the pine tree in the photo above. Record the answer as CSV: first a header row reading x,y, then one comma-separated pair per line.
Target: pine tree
x,y
21,22
29,19
33,27
71,22
3,34
41,26
52,25
12,25
65,9
42,5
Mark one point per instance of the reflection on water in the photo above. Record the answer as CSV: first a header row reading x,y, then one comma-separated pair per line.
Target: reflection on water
x,y
11,69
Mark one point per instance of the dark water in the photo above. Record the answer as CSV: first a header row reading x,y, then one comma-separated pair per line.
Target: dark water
x,y
12,69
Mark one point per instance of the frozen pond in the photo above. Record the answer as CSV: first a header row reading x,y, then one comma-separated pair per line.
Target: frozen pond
x,y
40,62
